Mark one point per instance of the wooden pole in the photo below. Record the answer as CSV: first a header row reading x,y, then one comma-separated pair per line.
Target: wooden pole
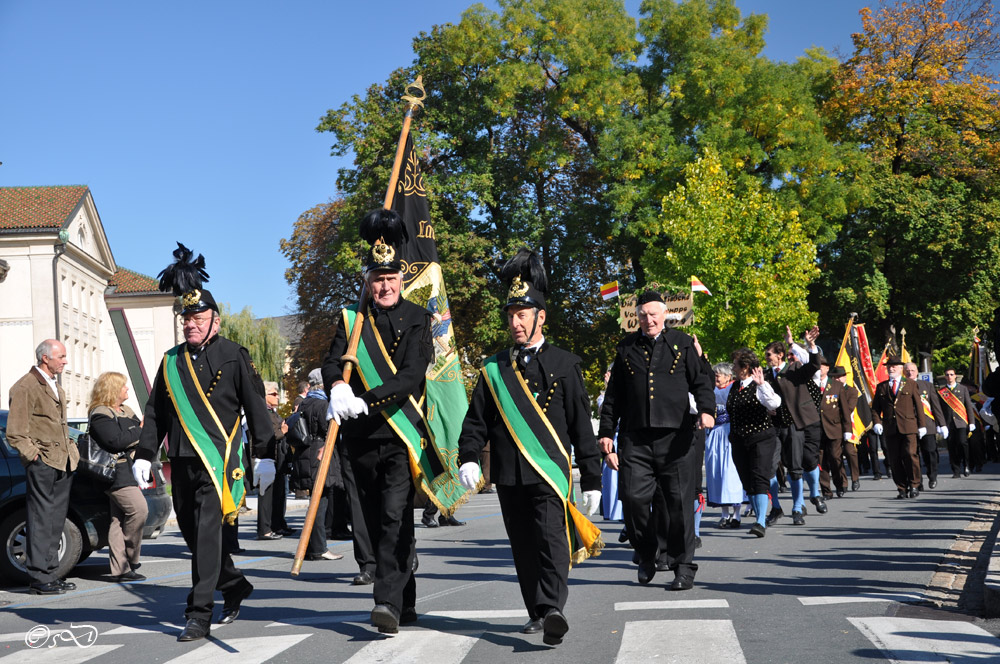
x,y
350,357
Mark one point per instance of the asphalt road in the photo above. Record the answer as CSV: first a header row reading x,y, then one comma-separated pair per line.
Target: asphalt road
x,y
874,580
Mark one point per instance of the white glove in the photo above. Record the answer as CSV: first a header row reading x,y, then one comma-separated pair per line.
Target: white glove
x,y
263,474
878,429
469,475
945,432
356,406
921,432
142,472
972,427
340,397
848,436
591,502
331,414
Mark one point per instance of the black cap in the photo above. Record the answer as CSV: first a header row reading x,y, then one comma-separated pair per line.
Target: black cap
x,y
199,299
528,283
837,372
649,296
185,278
386,232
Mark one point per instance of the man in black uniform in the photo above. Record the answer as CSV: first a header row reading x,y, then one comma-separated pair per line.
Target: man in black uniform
x,y
933,411
647,400
960,418
530,405
199,390
395,351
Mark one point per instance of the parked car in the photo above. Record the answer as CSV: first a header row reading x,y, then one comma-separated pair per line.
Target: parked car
x,y
87,521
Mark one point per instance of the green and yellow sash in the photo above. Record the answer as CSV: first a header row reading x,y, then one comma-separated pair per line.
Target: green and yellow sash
x,y
545,453
225,469
433,467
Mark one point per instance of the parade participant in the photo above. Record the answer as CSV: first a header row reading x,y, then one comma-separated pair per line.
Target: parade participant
x,y
647,401
751,432
797,425
313,409
379,418
836,412
270,498
723,483
37,429
960,420
898,414
530,404
195,404
115,428
932,410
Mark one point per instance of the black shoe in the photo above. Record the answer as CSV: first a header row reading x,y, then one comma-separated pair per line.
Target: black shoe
x,y
913,493
697,542
488,489
955,476
623,535
130,575
757,529
682,582
932,484
363,579
798,519
877,476
840,493
901,495
775,514
820,504
238,549
386,618
646,572
855,485
408,616
554,627
50,588
966,473
662,565
734,524
429,521
921,487
342,535
533,626
231,605
65,585
450,521
195,629
287,532
269,536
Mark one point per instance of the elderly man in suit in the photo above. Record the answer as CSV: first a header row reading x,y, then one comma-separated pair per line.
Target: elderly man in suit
x,y
932,410
898,415
836,411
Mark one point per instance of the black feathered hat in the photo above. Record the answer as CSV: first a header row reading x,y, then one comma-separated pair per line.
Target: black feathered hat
x,y
386,232
528,283
184,278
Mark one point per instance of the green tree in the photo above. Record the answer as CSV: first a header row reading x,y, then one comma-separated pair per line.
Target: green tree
x,y
259,337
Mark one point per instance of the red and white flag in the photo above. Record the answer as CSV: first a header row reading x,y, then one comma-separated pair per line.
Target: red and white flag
x,y
610,290
696,285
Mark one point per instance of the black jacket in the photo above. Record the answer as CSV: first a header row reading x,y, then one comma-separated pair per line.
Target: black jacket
x,y
650,381
117,434
792,385
961,392
554,375
314,410
405,332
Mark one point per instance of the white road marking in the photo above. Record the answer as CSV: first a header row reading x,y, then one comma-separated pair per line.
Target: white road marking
x,y
323,619
416,647
61,654
905,640
679,641
860,597
498,614
673,604
253,650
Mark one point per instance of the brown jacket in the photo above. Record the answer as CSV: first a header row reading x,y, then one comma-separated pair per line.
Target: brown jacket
x,y
36,425
903,414
837,409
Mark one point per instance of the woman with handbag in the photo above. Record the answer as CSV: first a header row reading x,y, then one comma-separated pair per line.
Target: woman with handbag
x,y
115,428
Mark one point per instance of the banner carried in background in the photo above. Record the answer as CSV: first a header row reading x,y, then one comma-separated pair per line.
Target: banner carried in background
x,y
856,359
423,284
979,364
680,311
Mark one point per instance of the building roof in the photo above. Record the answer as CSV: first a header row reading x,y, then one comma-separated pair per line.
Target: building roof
x,y
39,207
290,327
127,282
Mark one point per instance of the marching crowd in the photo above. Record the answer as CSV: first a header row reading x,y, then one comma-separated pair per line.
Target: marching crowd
x,y
759,429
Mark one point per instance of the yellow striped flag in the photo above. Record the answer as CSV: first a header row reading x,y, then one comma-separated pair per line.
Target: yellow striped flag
x,y
696,285
609,290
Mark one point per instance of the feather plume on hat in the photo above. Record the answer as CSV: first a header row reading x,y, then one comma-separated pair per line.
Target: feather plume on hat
x,y
183,275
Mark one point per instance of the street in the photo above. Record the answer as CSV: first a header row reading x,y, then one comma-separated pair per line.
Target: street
x,y
875,579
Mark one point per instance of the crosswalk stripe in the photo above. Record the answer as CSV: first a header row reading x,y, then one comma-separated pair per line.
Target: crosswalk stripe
x,y
860,597
679,641
252,650
157,628
905,640
417,647
673,604
480,615
63,654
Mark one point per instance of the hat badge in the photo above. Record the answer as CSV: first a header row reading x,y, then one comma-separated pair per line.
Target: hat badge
x,y
517,288
191,298
383,253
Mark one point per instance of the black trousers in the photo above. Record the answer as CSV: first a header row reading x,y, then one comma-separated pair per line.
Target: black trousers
x,y
279,497
753,457
317,538
364,551
664,458
535,519
930,456
265,511
199,516
958,448
379,471
48,502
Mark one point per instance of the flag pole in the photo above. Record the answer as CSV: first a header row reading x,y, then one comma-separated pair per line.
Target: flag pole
x,y
349,357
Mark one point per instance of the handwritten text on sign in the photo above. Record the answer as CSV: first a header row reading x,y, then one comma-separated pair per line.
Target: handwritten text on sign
x,y
680,312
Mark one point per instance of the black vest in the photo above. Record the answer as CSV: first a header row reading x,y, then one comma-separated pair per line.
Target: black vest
x,y
747,414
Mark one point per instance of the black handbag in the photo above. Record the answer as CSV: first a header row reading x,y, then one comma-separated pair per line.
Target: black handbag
x,y
95,461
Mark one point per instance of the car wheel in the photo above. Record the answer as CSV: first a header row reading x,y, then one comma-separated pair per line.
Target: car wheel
x,y
13,536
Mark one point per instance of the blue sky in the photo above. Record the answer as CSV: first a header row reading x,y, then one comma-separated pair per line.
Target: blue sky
x,y
195,121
